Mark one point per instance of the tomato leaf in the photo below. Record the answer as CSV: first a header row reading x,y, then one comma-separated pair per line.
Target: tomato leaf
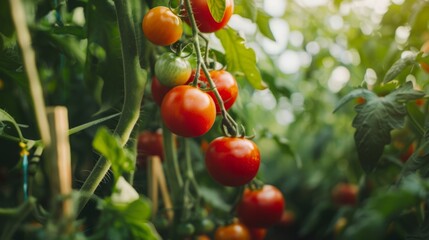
x,y
5,117
217,9
399,66
246,9
263,22
371,218
6,26
110,147
129,221
240,58
419,160
364,93
104,72
375,119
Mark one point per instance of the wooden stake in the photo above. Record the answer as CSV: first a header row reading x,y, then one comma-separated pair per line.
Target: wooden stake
x,y
156,179
164,190
59,167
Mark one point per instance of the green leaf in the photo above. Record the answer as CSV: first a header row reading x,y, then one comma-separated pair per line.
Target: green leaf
x,y
217,9
110,147
125,222
6,26
5,117
374,121
138,210
246,9
104,68
214,198
361,92
263,22
399,66
418,161
240,58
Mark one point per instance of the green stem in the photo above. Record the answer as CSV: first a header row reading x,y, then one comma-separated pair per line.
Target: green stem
x,y
189,169
17,215
134,83
174,175
229,122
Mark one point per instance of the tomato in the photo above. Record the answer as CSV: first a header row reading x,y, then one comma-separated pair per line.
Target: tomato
x,y
288,219
148,144
405,155
202,237
425,49
204,226
172,70
225,84
205,22
360,100
232,161
257,233
158,90
234,231
185,229
261,208
161,26
187,111
345,194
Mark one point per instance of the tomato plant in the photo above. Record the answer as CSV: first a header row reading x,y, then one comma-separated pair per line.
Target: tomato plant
x,y
232,161
172,70
345,194
187,111
225,84
205,21
161,26
261,208
233,231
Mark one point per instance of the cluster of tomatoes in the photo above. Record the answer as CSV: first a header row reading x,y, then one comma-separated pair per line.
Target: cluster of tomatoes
x,y
189,106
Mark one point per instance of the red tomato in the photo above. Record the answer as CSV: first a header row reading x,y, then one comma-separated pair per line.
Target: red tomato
x,y
204,19
405,155
261,208
149,144
425,49
360,100
345,194
187,111
161,26
232,161
257,233
288,218
234,231
158,90
225,84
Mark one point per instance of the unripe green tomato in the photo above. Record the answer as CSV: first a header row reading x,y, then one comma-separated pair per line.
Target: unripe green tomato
x,y
172,70
204,226
185,229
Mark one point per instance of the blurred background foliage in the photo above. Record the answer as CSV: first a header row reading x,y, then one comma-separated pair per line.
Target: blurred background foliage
x,y
323,49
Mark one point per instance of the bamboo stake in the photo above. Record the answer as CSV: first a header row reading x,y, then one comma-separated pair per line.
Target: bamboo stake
x,y
164,191
59,168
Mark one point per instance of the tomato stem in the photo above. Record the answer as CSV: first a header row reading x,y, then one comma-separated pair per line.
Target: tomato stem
x,y
135,80
231,125
237,199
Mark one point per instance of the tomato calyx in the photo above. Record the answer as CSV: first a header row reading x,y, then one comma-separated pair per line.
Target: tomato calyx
x,y
255,185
